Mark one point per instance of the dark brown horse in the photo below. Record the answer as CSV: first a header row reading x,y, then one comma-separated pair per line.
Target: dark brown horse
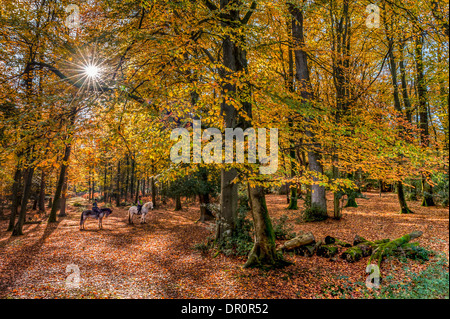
x,y
104,212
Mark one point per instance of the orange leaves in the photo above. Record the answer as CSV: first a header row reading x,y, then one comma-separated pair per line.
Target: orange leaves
x,y
156,260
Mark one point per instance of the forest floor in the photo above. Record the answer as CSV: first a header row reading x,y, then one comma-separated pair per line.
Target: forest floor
x,y
157,259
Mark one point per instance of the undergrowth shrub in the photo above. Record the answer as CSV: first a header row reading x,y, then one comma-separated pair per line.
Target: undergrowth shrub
x,y
282,230
441,190
314,214
431,283
240,242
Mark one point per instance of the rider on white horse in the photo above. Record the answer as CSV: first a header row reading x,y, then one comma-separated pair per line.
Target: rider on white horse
x,y
139,204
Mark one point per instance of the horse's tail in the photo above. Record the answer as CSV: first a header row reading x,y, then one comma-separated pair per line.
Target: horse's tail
x,y
81,219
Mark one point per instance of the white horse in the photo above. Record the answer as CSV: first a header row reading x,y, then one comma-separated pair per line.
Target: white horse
x,y
144,211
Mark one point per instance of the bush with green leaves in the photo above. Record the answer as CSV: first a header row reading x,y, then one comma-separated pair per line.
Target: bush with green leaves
x,y
441,190
431,283
206,180
241,241
314,214
282,230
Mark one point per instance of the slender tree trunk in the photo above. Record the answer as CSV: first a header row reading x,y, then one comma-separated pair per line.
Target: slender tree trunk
x,y
405,96
228,205
127,168
318,199
402,200
28,177
15,197
293,198
229,190
341,34
90,187
41,203
137,191
205,212
105,183
62,210
118,184
132,178
397,105
423,117
153,189
59,186
178,203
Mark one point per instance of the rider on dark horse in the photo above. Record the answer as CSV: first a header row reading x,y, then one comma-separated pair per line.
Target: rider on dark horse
x,y
95,208
139,204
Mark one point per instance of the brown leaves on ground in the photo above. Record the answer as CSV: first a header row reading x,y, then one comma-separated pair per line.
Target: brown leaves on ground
x,y
157,259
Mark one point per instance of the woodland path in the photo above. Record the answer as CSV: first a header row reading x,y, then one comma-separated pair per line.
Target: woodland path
x,y
157,259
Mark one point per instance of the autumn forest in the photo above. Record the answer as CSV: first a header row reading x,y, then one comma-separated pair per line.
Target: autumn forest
x,y
224,149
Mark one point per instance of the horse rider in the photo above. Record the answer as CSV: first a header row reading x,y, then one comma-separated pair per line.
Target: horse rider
x,y
139,204
95,208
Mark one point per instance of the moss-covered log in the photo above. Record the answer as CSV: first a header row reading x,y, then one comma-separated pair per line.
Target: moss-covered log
x,y
327,251
301,240
386,249
331,240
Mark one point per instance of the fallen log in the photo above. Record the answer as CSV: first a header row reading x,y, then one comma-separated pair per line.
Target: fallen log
x,y
306,250
390,248
299,241
331,240
327,251
355,253
377,249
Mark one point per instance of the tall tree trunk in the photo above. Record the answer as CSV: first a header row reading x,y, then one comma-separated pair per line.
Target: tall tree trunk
x,y
405,96
132,179
62,210
90,186
228,204
178,203
263,251
15,197
423,117
152,183
205,212
41,203
118,184
127,179
341,34
28,178
105,183
231,55
59,186
137,191
318,199
397,105
235,60
293,198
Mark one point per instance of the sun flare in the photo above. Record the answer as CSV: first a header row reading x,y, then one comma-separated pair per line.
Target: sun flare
x,y
92,71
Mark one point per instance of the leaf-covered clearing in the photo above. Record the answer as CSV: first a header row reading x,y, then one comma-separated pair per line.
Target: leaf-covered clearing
x,y
157,259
